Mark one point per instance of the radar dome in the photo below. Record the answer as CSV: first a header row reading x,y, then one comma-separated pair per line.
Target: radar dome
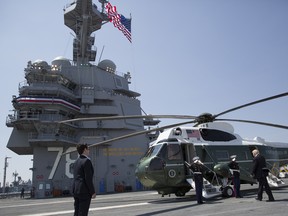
x,y
107,65
61,61
39,63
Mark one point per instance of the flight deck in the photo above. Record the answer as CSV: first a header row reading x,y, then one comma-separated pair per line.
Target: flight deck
x,y
147,203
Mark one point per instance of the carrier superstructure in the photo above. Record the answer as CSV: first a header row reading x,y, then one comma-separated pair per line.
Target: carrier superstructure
x,y
67,89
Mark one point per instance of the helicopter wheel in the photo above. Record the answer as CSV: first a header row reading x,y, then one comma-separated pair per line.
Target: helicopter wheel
x,y
180,193
227,191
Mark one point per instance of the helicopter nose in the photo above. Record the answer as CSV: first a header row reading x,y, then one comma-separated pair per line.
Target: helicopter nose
x,y
154,164
148,171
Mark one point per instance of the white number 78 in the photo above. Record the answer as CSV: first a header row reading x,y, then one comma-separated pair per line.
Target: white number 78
x,y
68,161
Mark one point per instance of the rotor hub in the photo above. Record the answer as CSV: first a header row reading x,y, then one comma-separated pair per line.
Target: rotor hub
x,y
204,118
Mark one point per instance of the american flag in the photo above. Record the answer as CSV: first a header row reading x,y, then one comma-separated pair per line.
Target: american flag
x,y
119,21
193,133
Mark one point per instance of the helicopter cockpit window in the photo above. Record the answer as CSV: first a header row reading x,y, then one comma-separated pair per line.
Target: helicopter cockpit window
x,y
216,135
163,152
170,152
152,151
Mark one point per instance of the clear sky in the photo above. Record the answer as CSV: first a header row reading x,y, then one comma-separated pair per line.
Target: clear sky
x,y
187,57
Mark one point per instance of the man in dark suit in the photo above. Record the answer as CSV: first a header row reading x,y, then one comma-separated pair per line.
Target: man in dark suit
x,y
83,188
260,172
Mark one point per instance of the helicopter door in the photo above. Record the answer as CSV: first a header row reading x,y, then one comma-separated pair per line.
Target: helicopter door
x,y
174,168
189,153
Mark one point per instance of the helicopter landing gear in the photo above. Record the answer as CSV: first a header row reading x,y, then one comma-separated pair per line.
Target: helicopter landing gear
x,y
227,191
180,193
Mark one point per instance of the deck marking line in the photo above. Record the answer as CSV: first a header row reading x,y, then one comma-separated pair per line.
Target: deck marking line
x,y
91,209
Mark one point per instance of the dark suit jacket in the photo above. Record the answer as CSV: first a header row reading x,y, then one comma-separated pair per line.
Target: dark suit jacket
x,y
83,178
259,163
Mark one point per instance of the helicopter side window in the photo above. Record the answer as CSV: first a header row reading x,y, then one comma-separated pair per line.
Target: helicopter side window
x,y
174,152
216,135
222,155
156,164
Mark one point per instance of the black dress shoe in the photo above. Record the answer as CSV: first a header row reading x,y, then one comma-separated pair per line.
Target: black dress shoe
x,y
201,202
258,199
270,200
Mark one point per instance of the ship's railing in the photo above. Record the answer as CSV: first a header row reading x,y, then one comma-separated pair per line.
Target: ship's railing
x,y
126,75
26,115
52,117
27,194
10,118
69,87
22,84
23,115
50,137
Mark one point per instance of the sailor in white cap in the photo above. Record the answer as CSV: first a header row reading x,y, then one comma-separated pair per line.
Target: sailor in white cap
x,y
235,171
196,159
197,169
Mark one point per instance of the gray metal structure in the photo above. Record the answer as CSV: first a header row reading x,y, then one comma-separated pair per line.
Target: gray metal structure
x,y
68,89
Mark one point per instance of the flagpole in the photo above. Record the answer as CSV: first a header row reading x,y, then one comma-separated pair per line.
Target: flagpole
x,y
5,168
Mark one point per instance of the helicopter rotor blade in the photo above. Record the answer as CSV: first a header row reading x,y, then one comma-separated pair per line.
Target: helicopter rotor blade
x,y
251,103
203,118
254,122
129,117
136,134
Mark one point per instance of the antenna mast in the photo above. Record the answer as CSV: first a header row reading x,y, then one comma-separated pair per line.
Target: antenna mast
x,y
83,18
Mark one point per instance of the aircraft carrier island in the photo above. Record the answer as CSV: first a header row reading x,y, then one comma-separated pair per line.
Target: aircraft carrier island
x,y
68,89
